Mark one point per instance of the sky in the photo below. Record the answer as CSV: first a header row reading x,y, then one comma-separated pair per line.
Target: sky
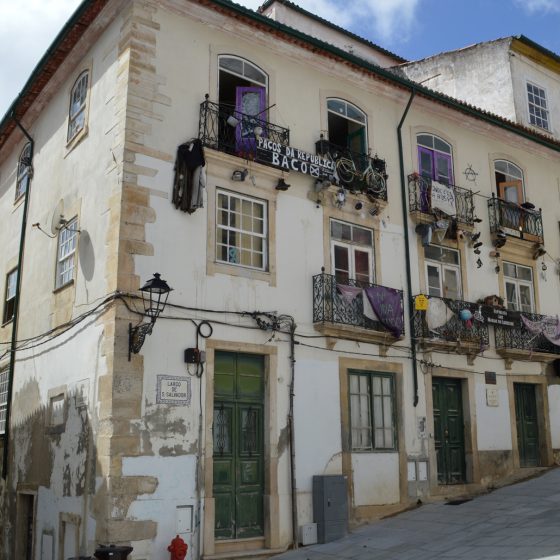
x,y
412,29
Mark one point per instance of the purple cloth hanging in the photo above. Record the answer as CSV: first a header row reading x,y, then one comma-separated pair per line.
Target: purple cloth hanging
x,y
388,306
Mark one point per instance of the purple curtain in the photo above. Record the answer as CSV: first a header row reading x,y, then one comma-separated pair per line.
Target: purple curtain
x,y
388,306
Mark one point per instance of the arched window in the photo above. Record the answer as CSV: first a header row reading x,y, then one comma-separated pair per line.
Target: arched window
x,y
237,79
242,90
509,181
435,158
77,113
347,125
23,171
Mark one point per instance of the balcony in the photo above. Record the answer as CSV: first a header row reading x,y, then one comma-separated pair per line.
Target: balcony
x,y
442,326
338,311
422,202
529,339
516,220
355,171
223,128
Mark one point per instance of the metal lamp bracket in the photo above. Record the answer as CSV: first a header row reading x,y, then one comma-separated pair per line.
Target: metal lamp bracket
x,y
136,337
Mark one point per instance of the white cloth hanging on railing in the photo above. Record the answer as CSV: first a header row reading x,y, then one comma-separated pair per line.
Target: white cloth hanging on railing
x,y
437,314
549,327
443,198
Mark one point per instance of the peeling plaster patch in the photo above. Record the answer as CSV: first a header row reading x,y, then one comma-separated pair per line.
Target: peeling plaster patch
x,y
66,481
26,402
160,421
146,443
283,440
177,449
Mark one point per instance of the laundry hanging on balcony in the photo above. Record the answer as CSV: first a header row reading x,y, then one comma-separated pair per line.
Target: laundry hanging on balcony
x,y
549,327
387,305
348,292
437,314
443,198
190,177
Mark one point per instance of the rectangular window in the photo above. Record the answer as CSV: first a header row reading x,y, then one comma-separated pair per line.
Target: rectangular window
x,y
241,230
66,253
372,411
3,399
352,253
538,108
443,272
518,281
10,296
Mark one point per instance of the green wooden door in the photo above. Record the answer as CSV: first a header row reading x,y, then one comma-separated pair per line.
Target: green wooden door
x,y
527,424
449,432
238,445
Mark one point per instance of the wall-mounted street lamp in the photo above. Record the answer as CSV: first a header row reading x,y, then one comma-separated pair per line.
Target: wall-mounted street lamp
x,y
154,299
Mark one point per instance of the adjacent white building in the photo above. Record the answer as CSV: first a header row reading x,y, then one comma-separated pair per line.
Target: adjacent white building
x,y
333,192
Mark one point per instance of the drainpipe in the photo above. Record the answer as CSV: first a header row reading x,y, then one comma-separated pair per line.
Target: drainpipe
x,y
292,435
16,304
407,248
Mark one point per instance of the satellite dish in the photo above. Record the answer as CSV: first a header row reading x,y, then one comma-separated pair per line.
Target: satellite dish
x,y
57,219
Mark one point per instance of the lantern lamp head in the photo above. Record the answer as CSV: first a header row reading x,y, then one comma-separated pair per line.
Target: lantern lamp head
x,y
154,298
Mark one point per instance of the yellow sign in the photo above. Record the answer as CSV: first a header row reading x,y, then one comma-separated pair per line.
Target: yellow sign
x,y
421,303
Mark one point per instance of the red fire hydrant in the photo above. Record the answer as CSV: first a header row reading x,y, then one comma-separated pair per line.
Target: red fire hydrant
x,y
178,548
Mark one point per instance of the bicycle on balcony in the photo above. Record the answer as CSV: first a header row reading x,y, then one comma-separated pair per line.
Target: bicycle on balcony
x,y
347,173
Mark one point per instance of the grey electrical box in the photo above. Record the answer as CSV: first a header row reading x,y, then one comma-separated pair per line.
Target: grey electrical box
x,y
330,507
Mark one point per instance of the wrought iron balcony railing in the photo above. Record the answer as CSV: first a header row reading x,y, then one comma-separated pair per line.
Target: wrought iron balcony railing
x,y
451,320
521,338
330,305
356,171
515,220
225,129
420,199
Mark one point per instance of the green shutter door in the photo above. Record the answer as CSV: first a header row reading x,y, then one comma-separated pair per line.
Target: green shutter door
x,y
527,424
238,445
449,430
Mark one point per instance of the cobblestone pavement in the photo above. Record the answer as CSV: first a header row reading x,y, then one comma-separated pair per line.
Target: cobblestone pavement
x,y
518,522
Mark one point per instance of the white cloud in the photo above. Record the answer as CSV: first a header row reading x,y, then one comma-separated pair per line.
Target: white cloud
x,y
393,19
534,6
28,28
26,31
390,19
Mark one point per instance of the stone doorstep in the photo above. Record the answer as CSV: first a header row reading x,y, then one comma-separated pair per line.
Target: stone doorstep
x,y
258,554
465,491
378,513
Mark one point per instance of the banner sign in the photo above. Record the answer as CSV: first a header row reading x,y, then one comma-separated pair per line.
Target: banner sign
x,y
292,159
501,317
443,198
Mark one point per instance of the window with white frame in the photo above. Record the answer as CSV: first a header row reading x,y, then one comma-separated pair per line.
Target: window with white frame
x,y
372,411
241,230
443,272
518,280
23,171
352,253
77,112
66,253
3,399
10,296
538,107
